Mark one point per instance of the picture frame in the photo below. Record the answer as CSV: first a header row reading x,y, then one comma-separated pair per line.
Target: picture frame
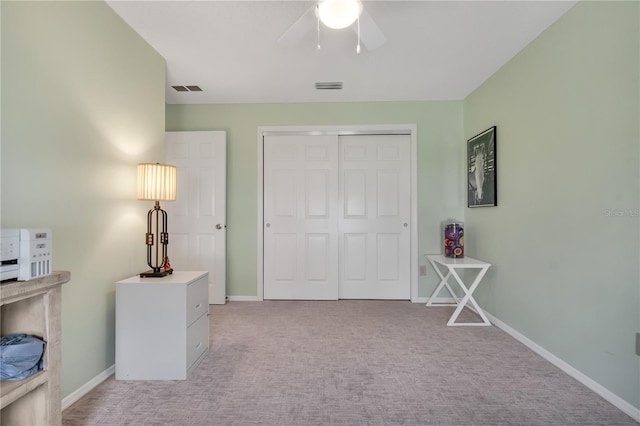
x,y
481,170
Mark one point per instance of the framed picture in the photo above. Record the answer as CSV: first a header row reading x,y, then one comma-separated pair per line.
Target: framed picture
x,y
481,169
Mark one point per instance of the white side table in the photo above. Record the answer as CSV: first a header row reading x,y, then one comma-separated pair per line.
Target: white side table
x,y
450,265
162,326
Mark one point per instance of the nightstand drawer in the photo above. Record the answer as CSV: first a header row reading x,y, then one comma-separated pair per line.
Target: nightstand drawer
x,y
197,339
197,299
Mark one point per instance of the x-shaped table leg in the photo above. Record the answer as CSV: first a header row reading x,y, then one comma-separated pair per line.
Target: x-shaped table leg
x,y
443,283
468,298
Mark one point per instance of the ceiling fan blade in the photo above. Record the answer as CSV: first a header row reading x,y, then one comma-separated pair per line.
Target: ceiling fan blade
x,y
370,34
299,29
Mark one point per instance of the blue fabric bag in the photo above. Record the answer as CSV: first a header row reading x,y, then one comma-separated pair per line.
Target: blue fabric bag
x,y
21,356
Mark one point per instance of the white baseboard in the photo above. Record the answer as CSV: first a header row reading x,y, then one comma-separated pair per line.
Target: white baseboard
x,y
421,299
418,300
243,299
425,299
605,393
87,387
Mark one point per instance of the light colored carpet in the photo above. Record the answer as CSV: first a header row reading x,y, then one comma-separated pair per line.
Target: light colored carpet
x,y
352,363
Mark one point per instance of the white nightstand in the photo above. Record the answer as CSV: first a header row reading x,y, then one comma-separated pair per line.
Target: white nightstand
x,y
162,326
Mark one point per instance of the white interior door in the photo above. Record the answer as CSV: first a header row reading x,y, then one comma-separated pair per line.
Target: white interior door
x,y
300,217
375,213
198,216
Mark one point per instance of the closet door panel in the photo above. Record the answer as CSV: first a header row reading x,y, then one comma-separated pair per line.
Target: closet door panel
x,y
375,211
300,217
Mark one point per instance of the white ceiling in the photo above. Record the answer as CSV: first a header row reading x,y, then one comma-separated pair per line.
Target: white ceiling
x,y
435,50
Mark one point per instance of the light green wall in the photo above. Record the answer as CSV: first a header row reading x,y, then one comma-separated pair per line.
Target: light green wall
x,y
439,167
82,103
565,237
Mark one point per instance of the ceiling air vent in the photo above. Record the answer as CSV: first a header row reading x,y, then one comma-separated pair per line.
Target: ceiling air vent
x,y
187,88
329,85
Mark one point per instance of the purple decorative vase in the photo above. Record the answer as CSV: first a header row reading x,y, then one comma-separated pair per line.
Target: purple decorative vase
x,y
454,239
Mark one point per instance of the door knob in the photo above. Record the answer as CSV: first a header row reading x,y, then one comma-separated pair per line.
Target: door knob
x,y
406,224
268,225
218,226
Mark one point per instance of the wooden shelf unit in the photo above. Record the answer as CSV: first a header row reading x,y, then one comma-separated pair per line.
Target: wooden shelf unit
x,y
34,307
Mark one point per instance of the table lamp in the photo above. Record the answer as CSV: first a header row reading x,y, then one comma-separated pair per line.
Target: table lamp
x,y
157,182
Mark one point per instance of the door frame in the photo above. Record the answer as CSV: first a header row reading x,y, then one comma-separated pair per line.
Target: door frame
x,y
341,130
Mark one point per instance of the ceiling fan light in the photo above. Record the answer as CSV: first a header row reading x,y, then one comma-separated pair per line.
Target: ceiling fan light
x,y
338,14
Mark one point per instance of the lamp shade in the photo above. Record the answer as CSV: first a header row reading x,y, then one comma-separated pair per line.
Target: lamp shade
x,y
156,182
339,14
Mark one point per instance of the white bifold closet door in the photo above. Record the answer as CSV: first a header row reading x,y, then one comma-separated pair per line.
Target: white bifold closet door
x,y
336,217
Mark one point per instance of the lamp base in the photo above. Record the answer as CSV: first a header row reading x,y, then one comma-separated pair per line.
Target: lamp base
x,y
152,274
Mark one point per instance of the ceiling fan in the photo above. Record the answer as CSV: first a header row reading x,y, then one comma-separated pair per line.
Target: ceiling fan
x,y
336,14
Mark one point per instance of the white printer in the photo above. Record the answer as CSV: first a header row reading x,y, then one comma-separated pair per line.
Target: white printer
x,y
25,254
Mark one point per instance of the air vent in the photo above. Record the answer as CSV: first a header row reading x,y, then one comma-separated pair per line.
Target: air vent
x,y
329,85
187,88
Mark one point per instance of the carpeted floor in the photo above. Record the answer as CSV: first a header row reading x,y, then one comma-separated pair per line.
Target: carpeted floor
x,y
294,363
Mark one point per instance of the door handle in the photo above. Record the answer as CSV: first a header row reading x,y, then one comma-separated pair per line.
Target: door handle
x,y
218,226
268,225
405,224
